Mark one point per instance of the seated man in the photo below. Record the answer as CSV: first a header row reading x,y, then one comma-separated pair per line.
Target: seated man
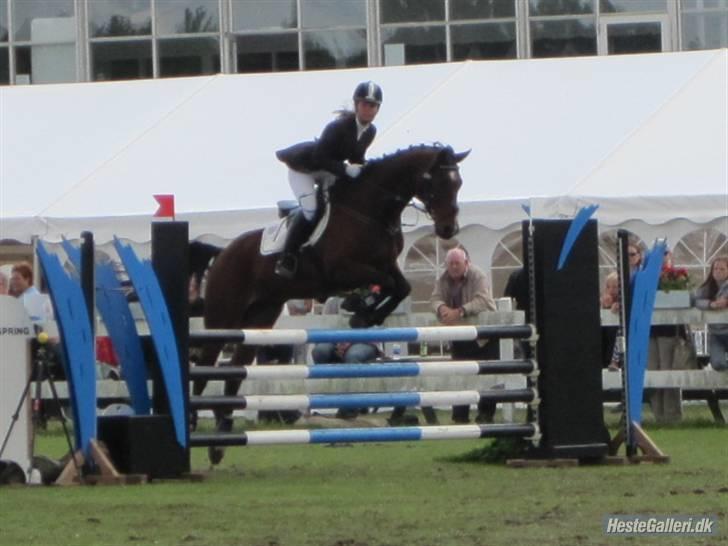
x,y
343,353
461,291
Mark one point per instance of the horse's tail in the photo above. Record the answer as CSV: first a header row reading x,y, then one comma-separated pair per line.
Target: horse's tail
x,y
201,254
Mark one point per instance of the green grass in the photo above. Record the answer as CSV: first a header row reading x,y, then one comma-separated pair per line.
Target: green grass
x,y
382,494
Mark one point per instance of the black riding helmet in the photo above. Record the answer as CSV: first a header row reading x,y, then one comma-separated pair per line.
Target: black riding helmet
x,y
368,91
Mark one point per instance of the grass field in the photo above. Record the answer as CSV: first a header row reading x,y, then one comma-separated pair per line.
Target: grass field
x,y
381,494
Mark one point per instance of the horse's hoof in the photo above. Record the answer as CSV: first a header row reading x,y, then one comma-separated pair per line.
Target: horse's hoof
x,y
215,454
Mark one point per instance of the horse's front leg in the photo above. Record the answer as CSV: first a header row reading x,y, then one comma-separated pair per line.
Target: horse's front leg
x,y
400,289
350,275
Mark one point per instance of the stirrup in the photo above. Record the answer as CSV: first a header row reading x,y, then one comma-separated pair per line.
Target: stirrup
x,y
286,266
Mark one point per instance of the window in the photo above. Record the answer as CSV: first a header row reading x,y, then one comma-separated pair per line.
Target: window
x,y
335,49
44,32
266,52
563,37
189,56
507,259
424,263
332,34
704,24
483,41
121,60
417,32
187,16
696,250
4,36
412,11
413,45
120,18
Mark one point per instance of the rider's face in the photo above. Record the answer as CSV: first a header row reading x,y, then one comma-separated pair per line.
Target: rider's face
x,y
366,111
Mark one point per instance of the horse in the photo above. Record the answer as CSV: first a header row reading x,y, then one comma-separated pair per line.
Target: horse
x,y
358,248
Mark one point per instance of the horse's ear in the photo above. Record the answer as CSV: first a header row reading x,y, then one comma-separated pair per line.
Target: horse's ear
x,y
462,155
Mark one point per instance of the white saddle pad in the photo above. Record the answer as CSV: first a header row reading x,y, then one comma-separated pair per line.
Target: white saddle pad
x,y
274,235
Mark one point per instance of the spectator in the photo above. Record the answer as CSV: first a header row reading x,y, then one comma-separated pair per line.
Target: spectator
x,y
283,354
610,295
460,292
343,352
611,357
3,284
713,295
21,286
634,256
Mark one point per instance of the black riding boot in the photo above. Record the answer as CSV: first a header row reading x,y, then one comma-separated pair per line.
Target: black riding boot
x,y
298,231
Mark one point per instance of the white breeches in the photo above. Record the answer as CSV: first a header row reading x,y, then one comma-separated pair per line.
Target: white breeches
x,y
304,188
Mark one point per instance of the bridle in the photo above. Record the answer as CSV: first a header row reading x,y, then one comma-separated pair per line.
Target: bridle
x,y
428,190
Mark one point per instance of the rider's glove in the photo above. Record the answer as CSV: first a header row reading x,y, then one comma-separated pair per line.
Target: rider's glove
x,y
353,170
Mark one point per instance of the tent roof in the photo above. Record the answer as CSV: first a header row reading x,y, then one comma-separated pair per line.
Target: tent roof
x,y
645,136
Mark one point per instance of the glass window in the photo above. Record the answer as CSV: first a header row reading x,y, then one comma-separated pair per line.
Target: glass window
x,y
53,63
186,16
333,13
120,17
410,45
188,57
482,9
565,38
560,7
3,20
4,66
634,38
506,259
267,52
485,41
423,265
40,20
259,14
411,11
121,60
633,6
708,4
707,30
335,49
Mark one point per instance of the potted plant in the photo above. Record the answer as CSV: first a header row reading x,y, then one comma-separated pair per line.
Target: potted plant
x,y
673,288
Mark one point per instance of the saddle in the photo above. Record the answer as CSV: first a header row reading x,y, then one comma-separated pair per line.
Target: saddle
x,y
274,235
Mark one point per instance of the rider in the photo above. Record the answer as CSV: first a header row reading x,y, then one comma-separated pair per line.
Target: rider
x,y
338,153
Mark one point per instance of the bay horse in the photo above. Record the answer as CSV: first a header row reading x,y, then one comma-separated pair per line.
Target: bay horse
x,y
358,248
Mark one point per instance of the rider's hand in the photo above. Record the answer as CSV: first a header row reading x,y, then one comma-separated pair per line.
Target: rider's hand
x,y
353,170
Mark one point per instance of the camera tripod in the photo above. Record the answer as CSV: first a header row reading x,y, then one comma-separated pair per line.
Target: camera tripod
x,y
40,372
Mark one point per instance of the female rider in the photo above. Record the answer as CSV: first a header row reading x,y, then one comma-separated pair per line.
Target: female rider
x,y
337,154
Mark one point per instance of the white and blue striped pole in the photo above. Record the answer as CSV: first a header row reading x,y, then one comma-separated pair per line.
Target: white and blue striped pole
x,y
371,335
351,435
304,402
379,369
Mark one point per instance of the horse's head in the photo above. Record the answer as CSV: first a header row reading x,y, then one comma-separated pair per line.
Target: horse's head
x,y
438,190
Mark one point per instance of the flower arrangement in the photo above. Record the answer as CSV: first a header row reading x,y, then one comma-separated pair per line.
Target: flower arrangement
x,y
673,278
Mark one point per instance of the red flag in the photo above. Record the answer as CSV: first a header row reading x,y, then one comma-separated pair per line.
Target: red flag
x,y
166,206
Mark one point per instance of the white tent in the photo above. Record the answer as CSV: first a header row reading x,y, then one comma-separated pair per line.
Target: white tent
x,y
643,136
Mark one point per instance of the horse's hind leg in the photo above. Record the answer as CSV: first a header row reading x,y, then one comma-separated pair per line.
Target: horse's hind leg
x,y
258,317
207,356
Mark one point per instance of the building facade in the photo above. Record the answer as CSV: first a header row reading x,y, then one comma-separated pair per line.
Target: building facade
x,y
55,41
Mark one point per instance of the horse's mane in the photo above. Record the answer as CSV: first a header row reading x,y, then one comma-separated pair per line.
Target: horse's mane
x,y
403,152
